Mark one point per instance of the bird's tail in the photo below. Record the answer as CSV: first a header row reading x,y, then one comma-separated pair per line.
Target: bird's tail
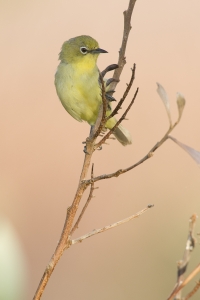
x,y
123,135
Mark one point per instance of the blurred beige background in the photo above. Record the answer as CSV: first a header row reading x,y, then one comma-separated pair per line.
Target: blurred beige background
x,y
42,152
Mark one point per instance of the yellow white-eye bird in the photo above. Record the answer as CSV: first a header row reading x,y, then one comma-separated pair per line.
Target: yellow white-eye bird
x,y
77,83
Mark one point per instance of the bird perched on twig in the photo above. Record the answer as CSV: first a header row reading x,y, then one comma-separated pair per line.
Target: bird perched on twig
x,y
77,84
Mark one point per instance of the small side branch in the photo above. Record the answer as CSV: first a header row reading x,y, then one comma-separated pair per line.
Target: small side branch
x,y
96,231
127,28
182,264
118,106
195,289
118,122
146,157
87,202
185,282
190,244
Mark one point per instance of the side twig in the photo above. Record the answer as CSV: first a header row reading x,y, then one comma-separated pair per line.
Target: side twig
x,y
96,231
195,289
102,141
127,28
118,106
147,156
185,282
182,264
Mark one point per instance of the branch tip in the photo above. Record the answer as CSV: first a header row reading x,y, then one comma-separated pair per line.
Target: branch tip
x,y
105,228
150,205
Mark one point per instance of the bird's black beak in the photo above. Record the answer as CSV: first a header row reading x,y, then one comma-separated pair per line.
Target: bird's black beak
x,y
98,50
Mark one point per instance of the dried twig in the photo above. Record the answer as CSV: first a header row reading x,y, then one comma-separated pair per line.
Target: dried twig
x,y
185,282
195,289
190,244
118,122
87,202
102,116
105,228
147,156
182,265
127,28
118,106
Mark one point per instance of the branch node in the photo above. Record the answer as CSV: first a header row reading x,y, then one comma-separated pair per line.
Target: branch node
x,y
150,154
68,210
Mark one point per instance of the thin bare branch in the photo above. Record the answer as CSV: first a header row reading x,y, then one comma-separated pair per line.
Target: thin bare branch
x,y
122,171
101,120
96,231
195,289
182,264
86,204
118,122
190,244
185,282
63,243
190,276
127,28
118,106
147,156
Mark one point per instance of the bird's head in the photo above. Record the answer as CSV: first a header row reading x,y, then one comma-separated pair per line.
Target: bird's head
x,y
79,49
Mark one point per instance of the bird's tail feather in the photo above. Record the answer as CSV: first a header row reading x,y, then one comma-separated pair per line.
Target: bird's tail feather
x,y
123,135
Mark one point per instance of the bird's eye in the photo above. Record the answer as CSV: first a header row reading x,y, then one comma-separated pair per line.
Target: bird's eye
x,y
83,50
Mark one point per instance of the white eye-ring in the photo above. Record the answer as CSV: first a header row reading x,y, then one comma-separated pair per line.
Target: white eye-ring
x,y
83,50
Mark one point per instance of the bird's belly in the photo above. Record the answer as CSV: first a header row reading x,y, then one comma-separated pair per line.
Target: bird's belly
x,y
80,95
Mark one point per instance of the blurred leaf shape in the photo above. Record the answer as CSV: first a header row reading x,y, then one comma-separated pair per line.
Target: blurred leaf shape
x,y
180,103
13,271
192,152
163,95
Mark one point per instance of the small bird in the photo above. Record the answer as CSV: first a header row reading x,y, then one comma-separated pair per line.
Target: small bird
x,y
77,84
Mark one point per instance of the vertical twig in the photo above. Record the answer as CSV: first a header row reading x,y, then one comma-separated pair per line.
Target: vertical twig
x,y
182,265
87,202
122,51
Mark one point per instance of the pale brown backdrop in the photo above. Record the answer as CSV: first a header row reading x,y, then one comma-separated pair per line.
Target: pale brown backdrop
x,y
42,151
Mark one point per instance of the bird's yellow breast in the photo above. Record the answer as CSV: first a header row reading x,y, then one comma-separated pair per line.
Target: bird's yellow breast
x,y
78,89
